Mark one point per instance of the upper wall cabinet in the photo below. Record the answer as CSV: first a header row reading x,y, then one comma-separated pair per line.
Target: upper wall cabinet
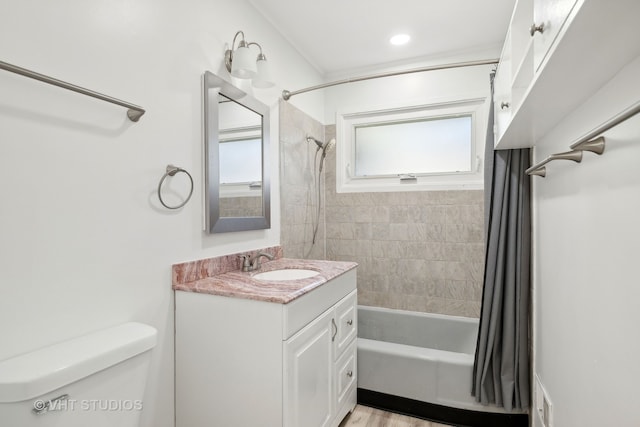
x,y
557,53
548,18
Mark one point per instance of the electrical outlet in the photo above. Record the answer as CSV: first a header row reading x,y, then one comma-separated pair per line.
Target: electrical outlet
x,y
544,408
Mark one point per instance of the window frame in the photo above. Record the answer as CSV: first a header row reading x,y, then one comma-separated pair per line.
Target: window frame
x,y
346,123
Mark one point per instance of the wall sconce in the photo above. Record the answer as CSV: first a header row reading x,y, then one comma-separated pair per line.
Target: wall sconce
x,y
241,63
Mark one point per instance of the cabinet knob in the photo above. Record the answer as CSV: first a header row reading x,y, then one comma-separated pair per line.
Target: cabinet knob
x,y
536,28
350,322
504,105
350,374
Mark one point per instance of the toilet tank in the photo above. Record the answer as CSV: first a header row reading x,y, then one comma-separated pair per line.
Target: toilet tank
x,y
94,380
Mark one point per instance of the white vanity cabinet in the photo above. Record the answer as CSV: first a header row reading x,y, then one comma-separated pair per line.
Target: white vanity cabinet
x,y
320,368
244,363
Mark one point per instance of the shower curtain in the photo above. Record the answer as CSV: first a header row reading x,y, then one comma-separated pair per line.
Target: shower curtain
x,y
501,367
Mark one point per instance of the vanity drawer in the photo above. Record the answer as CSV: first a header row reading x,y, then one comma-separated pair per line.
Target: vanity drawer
x,y
301,311
346,369
346,321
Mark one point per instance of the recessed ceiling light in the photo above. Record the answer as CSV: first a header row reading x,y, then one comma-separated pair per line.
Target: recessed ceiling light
x,y
400,39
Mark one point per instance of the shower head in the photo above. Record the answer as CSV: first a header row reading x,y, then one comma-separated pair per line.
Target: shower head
x,y
330,145
325,146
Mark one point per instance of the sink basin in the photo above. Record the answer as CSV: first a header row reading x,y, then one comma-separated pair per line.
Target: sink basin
x,y
286,274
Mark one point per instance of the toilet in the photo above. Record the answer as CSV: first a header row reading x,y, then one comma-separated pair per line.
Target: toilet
x,y
95,380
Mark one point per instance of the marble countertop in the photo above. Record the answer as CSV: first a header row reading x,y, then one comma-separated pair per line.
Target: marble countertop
x,y
241,284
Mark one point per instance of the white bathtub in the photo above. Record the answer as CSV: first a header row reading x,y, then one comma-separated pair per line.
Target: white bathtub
x,y
420,356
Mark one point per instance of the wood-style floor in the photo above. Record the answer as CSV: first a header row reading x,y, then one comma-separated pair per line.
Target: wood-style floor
x,y
363,416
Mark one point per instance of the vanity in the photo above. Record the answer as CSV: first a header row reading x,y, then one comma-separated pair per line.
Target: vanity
x,y
273,351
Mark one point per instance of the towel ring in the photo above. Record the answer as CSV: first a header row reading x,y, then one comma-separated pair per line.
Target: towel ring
x,y
171,171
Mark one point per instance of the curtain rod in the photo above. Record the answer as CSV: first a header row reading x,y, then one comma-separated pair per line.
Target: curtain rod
x,y
287,94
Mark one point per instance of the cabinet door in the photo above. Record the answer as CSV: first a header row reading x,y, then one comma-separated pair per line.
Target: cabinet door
x,y
346,322
309,394
502,99
551,14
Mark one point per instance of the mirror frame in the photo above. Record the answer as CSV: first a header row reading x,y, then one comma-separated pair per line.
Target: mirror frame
x,y
213,86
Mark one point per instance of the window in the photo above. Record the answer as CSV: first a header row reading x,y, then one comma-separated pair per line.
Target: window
x,y
413,148
241,161
432,145
239,149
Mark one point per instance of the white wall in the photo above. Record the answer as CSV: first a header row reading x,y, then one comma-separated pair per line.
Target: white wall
x,y
410,89
586,286
84,241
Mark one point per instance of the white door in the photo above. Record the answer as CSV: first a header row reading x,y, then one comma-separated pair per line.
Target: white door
x,y
308,386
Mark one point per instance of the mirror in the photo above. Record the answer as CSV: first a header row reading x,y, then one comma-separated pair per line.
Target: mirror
x,y
236,142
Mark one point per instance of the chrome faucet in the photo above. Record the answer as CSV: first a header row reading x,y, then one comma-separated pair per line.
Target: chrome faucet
x,y
252,263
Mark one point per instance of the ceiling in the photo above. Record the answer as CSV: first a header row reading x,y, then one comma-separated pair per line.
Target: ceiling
x,y
337,36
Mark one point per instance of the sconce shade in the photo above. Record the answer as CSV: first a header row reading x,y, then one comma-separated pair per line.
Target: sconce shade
x,y
243,65
262,79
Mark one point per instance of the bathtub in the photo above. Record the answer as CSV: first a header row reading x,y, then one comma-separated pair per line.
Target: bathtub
x,y
419,356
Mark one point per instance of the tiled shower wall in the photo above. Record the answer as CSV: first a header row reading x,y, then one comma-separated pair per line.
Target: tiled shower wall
x,y
420,251
298,203
241,206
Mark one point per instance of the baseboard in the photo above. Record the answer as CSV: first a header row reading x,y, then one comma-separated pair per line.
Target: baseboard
x,y
439,413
